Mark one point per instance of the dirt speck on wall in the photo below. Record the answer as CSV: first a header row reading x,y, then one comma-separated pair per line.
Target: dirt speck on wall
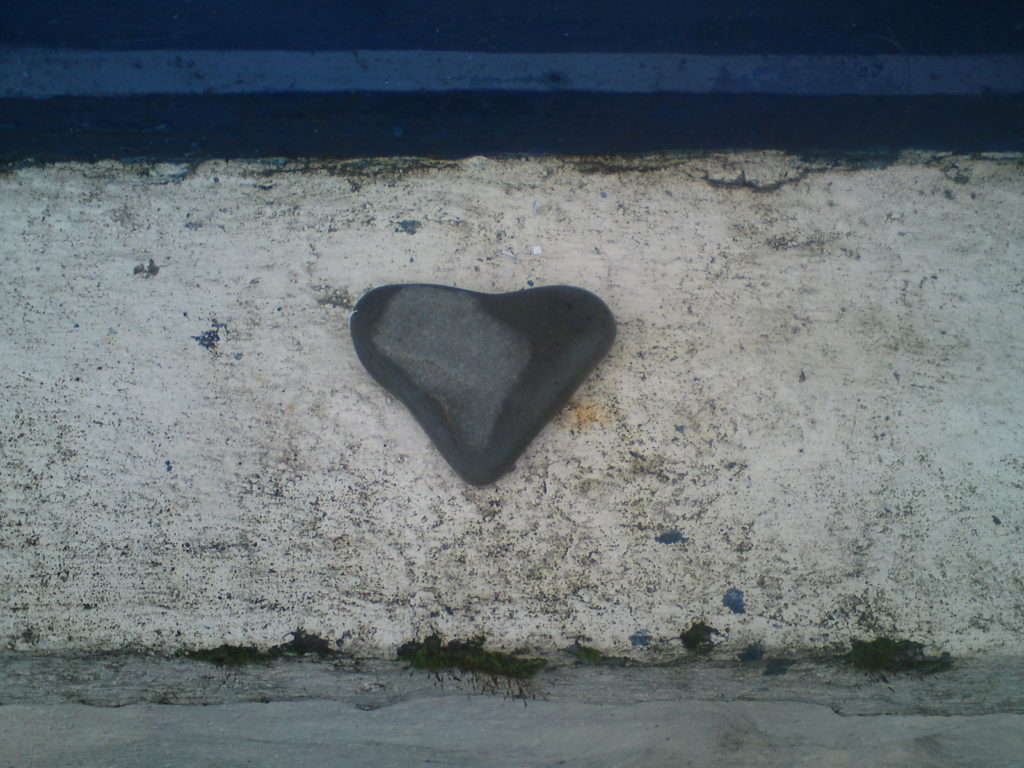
x,y
813,402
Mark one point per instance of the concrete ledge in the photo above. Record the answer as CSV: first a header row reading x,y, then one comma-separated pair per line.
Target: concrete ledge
x,y
470,731
971,687
807,432
128,709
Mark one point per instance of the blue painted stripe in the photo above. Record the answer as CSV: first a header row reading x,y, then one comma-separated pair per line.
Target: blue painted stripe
x,y
38,73
460,124
832,27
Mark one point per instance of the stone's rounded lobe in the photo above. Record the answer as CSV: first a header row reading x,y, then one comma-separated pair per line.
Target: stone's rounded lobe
x,y
482,373
472,377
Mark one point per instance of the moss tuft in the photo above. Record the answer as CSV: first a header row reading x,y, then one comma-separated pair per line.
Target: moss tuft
x,y
587,655
697,639
232,655
240,655
303,643
887,655
592,657
467,656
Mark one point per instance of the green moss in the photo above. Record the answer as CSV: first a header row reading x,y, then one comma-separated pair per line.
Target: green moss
x,y
232,655
240,655
887,655
467,656
303,643
592,657
697,639
587,655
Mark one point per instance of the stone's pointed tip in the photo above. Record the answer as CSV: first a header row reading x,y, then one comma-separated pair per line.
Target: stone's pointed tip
x,y
482,373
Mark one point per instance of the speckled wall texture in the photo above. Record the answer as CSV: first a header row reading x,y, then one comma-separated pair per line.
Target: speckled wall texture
x,y
808,430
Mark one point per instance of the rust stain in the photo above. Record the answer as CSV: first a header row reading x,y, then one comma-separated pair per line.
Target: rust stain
x,y
584,414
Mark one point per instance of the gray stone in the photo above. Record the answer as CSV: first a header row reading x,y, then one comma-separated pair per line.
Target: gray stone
x,y
482,373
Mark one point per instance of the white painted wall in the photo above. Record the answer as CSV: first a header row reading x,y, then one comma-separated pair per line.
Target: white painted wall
x,y
817,382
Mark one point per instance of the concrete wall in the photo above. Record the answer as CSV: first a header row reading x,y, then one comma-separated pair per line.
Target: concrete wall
x,y
814,399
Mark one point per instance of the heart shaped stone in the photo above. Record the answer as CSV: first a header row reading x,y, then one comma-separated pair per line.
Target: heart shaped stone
x,y
482,373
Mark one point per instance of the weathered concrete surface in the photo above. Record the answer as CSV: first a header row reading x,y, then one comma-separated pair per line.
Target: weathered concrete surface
x,y
470,731
971,687
815,393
